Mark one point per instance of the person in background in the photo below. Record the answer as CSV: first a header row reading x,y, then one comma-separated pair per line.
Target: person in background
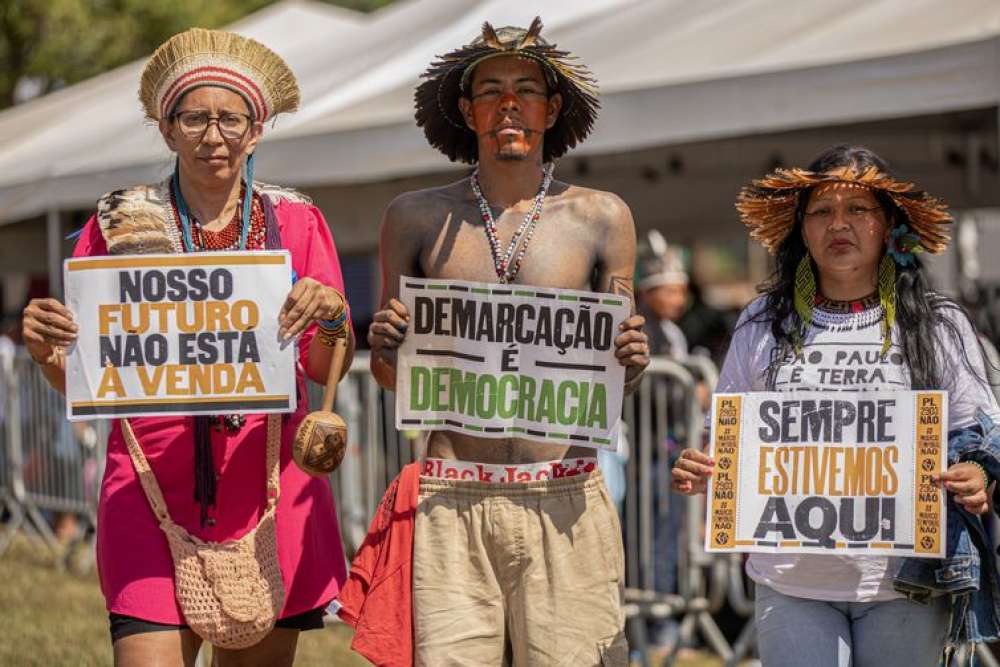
x,y
662,291
706,328
679,321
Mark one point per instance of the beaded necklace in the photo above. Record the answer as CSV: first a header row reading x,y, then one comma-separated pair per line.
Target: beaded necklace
x,y
227,238
847,315
507,270
185,219
852,306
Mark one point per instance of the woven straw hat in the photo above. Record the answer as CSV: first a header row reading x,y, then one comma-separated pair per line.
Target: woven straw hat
x,y
437,97
767,206
199,57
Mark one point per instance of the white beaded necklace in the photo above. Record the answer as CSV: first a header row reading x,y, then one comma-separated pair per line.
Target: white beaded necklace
x,y
847,320
507,270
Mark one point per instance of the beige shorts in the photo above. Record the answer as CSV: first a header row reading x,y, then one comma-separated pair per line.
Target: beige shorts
x,y
519,574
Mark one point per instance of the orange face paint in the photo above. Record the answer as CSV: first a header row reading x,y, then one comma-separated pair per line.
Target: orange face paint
x,y
509,107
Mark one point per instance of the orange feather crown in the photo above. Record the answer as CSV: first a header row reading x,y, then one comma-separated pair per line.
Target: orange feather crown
x,y
767,206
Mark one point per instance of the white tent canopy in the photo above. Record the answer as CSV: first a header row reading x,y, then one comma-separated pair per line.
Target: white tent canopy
x,y
670,71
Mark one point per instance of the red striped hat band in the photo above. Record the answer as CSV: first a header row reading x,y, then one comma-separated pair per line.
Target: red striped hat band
x,y
221,76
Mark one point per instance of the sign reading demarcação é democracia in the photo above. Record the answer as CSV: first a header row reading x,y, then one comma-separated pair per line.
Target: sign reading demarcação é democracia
x,y
178,335
828,472
501,361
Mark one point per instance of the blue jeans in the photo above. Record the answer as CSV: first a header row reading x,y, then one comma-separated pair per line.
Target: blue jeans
x,y
793,632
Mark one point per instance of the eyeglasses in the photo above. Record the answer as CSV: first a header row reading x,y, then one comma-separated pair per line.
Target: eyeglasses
x,y
194,124
853,213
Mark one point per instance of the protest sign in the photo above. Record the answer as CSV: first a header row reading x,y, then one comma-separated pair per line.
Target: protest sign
x,y
178,334
501,361
816,472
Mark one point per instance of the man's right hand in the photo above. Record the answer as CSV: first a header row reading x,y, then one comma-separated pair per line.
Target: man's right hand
x,y
691,472
47,329
388,328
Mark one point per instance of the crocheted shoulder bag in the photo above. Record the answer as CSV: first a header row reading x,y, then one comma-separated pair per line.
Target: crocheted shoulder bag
x,y
229,592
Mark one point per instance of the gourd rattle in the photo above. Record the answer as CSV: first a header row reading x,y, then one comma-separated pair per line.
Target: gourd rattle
x,y
321,439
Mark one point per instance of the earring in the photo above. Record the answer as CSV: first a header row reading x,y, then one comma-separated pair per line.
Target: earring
x,y
805,297
887,297
805,290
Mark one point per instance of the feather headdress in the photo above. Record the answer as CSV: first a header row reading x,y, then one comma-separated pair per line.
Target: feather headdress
x,y
447,78
199,57
767,206
659,264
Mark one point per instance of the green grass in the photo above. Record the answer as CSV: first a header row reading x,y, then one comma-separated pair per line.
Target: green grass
x,y
54,618
51,618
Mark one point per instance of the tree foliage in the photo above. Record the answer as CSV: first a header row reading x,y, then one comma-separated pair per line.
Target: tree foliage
x,y
47,44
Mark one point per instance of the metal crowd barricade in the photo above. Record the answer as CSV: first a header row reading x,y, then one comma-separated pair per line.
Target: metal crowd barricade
x,y
10,509
667,406
376,451
49,467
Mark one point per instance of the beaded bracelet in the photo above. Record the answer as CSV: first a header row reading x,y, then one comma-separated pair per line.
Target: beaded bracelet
x,y
330,338
340,315
986,476
335,328
330,331
336,323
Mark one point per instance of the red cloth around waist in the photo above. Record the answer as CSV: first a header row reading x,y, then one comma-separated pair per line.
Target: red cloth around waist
x,y
377,598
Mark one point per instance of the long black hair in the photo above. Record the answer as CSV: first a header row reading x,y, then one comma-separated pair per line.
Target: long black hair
x,y
920,312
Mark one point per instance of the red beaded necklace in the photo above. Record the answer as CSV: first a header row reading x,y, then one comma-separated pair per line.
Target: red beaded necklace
x,y
852,306
228,238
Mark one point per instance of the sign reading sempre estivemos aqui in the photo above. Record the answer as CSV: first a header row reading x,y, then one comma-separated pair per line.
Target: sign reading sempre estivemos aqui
x,y
179,334
502,361
812,472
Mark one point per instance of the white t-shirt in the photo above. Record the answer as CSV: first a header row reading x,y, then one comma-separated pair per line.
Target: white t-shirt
x,y
841,352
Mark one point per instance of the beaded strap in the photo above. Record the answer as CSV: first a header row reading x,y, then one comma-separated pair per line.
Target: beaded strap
x,y
152,489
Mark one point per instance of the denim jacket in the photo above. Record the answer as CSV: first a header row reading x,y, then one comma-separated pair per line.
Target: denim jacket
x,y
968,573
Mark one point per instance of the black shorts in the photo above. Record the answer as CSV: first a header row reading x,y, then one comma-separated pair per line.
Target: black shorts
x,y
123,626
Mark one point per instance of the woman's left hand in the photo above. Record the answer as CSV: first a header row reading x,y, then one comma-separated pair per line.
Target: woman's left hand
x,y
967,483
308,302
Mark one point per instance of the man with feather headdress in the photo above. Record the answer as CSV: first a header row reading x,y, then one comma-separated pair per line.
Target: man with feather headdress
x,y
529,573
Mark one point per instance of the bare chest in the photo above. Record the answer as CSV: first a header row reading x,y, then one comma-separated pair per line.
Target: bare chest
x,y
561,251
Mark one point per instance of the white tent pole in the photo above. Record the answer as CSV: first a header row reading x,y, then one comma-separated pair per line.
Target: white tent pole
x,y
53,239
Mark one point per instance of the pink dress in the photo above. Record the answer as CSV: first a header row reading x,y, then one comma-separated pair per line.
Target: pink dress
x,y
136,570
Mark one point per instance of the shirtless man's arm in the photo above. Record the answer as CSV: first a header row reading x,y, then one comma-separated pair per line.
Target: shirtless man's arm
x,y
614,274
399,249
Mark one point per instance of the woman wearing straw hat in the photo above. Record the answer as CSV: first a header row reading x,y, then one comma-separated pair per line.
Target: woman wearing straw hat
x,y
220,479
845,234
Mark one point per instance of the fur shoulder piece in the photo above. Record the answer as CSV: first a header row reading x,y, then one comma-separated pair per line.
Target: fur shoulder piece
x,y
138,220
277,193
